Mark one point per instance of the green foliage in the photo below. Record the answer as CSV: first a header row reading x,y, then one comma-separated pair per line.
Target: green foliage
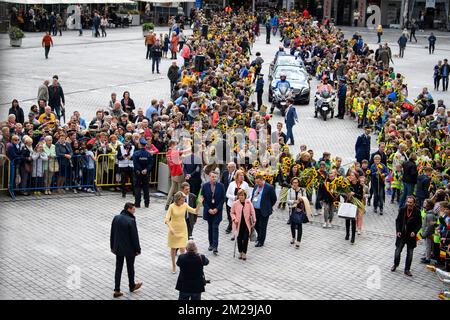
x,y
148,26
15,33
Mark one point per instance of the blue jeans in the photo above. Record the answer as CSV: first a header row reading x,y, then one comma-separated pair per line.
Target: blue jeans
x,y
275,29
289,135
213,230
408,189
155,61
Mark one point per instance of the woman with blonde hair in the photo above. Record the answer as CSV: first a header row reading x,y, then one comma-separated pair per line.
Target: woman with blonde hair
x,y
51,166
37,174
244,220
176,222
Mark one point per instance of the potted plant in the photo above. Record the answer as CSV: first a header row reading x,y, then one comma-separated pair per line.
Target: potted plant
x,y
15,37
147,27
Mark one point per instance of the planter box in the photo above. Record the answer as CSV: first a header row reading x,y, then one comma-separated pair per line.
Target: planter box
x,y
136,18
164,181
15,42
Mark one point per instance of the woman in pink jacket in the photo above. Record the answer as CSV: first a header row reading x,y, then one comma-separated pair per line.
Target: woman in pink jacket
x,y
244,220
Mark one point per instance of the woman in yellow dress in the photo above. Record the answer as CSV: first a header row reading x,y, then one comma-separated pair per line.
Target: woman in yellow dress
x,y
176,221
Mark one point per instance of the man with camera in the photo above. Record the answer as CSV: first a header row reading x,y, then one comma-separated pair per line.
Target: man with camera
x,y
142,162
191,280
125,157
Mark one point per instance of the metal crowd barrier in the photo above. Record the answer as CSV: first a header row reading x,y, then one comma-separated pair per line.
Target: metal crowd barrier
x,y
52,174
24,176
5,170
108,173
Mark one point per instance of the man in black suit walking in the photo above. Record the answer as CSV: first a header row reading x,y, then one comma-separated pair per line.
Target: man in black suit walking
x,y
263,199
213,193
191,281
125,245
408,224
227,177
191,200
56,97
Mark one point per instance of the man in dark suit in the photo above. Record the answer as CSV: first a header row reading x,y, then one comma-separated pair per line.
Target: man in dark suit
x,y
213,193
362,146
381,153
263,199
291,119
192,172
191,280
342,94
191,200
125,245
408,224
227,177
56,97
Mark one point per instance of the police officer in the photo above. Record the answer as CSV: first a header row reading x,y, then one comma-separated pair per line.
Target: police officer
x,y
142,162
342,94
259,90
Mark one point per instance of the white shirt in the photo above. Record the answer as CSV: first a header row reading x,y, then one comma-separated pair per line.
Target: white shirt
x,y
231,190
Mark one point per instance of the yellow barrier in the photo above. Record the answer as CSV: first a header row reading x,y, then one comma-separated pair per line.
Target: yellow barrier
x,y
107,171
5,172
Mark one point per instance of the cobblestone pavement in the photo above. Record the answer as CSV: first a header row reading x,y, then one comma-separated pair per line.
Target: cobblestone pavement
x,y
47,245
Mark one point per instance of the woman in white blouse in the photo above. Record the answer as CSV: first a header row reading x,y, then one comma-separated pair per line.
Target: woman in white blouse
x,y
234,187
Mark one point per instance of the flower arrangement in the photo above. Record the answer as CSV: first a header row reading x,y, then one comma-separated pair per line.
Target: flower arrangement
x,y
341,186
308,179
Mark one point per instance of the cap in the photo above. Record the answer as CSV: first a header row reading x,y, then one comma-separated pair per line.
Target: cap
x,y
55,77
141,131
143,141
31,114
267,117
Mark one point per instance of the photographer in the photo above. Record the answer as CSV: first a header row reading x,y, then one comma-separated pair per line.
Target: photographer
x,y
191,280
125,157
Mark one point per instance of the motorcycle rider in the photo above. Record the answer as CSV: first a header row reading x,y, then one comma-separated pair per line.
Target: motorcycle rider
x,y
322,87
280,82
280,51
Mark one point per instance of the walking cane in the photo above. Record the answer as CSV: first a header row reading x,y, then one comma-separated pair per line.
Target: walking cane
x,y
235,244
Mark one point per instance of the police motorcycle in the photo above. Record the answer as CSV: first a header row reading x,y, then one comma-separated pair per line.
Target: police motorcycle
x,y
324,103
281,93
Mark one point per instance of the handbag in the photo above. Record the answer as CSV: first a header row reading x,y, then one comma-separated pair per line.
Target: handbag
x,y
296,217
347,210
305,218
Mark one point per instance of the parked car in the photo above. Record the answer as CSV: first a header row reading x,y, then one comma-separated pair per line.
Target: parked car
x,y
298,79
